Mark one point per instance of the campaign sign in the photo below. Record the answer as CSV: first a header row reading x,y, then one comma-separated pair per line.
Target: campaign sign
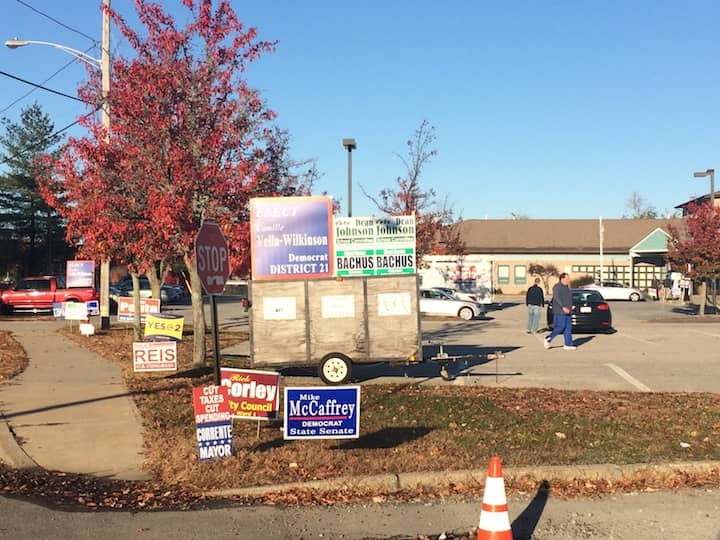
x,y
155,356
253,394
126,308
163,326
75,311
59,309
322,413
80,274
291,237
213,425
93,307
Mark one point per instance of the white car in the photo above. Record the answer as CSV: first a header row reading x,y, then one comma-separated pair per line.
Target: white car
x,y
614,290
436,302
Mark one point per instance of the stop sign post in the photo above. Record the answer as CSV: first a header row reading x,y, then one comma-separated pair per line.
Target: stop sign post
x,y
212,259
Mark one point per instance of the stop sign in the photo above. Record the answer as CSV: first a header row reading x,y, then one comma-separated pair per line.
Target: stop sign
x,y
212,257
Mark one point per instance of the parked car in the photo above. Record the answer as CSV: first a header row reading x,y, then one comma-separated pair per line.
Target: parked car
x,y
591,312
614,290
124,287
436,302
462,295
40,293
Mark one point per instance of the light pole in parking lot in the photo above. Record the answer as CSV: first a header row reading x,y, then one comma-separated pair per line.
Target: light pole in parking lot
x,y
103,64
351,145
711,174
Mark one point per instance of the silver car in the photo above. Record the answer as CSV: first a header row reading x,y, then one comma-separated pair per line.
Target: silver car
x,y
437,302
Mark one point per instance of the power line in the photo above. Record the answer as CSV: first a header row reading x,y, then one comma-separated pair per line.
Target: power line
x,y
42,87
46,139
57,21
26,94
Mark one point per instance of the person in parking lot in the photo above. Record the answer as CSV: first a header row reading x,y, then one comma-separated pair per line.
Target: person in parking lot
x,y
562,307
534,300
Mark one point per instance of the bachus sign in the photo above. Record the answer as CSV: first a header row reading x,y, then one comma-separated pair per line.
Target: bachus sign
x,y
373,246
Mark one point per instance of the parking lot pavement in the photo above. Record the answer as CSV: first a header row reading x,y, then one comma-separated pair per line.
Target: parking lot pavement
x,y
643,354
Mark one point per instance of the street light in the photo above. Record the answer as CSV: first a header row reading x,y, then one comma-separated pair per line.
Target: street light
x,y
351,145
102,63
711,174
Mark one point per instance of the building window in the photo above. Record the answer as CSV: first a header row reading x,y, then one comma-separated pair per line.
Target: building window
x,y
520,275
503,274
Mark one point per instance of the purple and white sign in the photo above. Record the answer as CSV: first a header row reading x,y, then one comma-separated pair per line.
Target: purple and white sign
x,y
80,274
291,237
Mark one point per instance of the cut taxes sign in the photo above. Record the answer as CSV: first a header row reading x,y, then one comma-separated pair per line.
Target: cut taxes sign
x,y
213,425
252,394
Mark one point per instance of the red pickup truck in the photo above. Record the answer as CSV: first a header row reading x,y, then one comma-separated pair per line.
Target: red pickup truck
x,y
39,293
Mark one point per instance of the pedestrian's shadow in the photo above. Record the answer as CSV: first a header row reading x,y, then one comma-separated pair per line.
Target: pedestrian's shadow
x,y
524,525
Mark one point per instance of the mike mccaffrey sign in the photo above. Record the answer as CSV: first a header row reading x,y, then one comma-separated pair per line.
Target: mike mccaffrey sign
x,y
322,413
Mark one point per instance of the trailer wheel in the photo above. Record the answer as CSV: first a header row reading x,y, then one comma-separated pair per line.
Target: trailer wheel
x,y
335,368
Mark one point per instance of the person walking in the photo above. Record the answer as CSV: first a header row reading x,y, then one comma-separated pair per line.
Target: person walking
x,y
562,313
534,300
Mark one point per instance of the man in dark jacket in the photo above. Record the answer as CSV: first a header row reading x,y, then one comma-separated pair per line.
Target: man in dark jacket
x,y
534,300
562,313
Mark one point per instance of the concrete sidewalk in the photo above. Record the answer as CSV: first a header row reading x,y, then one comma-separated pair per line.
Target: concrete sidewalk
x,y
69,410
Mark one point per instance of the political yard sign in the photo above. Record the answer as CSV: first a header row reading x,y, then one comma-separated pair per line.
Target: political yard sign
x,y
291,237
213,425
322,413
252,394
374,246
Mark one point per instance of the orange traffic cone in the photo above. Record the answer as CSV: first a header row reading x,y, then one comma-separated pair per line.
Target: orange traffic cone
x,y
494,518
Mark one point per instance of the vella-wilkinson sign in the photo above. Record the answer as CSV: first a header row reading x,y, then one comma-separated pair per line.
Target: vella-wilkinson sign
x,y
322,413
291,237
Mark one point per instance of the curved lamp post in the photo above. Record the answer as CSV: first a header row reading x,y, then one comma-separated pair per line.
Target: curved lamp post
x,y
102,63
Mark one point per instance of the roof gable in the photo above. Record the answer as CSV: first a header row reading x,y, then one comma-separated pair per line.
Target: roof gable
x,y
654,242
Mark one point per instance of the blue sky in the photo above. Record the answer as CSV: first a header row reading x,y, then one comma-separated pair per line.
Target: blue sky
x,y
554,109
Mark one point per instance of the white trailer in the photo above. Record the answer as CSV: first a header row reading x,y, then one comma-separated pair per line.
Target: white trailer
x,y
335,323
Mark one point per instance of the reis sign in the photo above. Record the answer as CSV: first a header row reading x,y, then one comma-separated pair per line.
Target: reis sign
x,y
212,258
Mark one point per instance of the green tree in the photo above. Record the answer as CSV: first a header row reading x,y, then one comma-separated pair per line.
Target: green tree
x,y
25,218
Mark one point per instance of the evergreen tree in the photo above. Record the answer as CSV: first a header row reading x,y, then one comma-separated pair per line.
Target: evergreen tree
x,y
32,232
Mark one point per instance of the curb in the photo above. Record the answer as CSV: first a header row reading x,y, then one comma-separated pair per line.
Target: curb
x,y
11,453
402,481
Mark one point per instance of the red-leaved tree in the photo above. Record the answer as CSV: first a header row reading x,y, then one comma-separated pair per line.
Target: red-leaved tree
x,y
695,247
190,141
436,229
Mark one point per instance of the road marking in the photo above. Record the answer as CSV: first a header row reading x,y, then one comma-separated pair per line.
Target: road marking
x,y
629,378
636,339
705,333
